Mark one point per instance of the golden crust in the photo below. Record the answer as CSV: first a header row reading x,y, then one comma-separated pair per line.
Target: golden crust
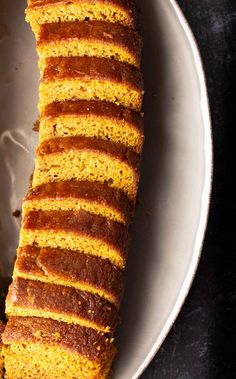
x,y
83,158
129,5
93,192
90,227
90,78
30,297
88,68
96,108
97,119
63,145
72,268
126,6
115,36
79,222
74,338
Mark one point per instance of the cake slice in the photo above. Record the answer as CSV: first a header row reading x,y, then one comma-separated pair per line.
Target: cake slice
x,y
67,304
94,235
48,349
89,38
92,197
82,158
47,11
71,268
89,78
2,327
99,119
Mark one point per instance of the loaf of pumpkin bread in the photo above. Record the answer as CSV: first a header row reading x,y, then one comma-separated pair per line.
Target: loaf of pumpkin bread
x,y
54,11
68,280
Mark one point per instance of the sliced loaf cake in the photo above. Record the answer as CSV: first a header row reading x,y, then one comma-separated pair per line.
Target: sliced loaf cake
x,y
71,195
78,231
61,303
89,38
71,268
48,11
89,78
48,349
98,119
82,158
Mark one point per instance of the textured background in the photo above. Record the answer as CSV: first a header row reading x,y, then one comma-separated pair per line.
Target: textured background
x,y
200,345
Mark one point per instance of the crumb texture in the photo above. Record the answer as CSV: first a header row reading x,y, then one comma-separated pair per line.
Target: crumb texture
x,y
89,38
63,305
80,158
92,197
69,351
96,119
89,78
54,11
71,268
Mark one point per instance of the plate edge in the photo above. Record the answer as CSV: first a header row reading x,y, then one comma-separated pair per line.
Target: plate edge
x,y
206,192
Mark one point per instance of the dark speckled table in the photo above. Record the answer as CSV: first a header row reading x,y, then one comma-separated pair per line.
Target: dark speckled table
x,y
201,345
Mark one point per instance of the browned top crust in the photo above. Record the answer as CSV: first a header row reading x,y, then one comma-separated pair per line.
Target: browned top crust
x,y
2,327
106,32
94,192
83,223
67,144
128,5
72,267
104,109
30,294
74,338
92,68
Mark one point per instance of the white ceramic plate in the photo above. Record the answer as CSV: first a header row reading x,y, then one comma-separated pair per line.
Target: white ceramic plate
x,y
176,175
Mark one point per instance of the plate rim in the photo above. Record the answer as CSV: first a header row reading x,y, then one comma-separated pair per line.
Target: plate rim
x,y
206,192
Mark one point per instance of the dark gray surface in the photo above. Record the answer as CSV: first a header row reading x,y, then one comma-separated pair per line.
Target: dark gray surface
x,y
201,343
